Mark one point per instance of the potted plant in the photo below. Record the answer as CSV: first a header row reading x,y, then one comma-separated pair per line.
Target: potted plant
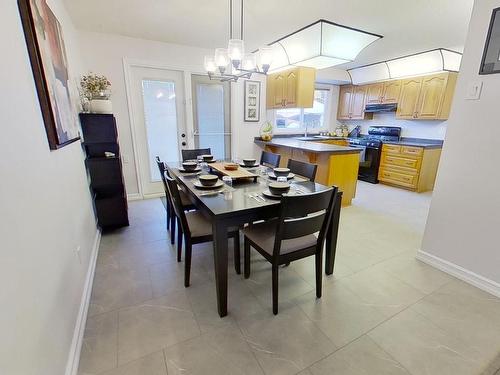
x,y
96,91
266,131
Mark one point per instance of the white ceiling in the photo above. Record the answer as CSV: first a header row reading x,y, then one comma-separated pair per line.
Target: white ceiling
x,y
408,26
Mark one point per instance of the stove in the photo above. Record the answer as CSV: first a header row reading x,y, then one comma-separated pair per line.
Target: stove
x,y
371,145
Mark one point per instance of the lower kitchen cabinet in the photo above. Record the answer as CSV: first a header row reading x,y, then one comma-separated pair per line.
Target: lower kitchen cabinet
x,y
409,167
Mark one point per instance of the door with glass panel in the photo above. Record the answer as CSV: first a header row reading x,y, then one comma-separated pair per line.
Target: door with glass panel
x,y
157,100
211,113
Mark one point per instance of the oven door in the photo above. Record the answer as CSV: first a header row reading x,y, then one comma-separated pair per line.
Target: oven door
x,y
369,161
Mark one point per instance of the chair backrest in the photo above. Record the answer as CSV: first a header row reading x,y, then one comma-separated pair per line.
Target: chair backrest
x,y
269,159
194,153
175,198
161,168
303,169
304,214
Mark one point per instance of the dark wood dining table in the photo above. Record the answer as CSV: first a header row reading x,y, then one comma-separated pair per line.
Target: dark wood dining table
x,y
236,206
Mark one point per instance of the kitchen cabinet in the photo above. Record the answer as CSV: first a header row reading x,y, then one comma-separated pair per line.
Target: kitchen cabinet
x,y
383,92
292,88
427,97
352,102
409,167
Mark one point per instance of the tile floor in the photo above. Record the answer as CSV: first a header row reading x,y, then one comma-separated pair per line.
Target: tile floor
x,y
382,312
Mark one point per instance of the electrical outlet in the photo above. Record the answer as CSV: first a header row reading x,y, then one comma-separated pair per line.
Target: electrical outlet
x,y
78,254
125,159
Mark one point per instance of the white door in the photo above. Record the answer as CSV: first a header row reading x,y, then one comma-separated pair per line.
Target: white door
x,y
157,100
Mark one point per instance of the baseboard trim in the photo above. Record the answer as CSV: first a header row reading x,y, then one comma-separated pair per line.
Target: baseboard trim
x,y
76,343
461,273
134,197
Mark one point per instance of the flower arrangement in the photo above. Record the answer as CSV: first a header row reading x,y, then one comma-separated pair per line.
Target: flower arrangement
x,y
95,86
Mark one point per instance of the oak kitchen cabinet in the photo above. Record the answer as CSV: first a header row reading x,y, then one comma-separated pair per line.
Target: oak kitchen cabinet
x,y
410,167
352,102
292,88
383,92
427,97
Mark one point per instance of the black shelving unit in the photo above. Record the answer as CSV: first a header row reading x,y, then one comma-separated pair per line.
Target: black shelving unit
x,y
106,176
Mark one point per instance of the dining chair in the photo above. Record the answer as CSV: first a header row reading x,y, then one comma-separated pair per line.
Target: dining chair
x,y
303,169
196,228
194,153
172,218
292,236
269,159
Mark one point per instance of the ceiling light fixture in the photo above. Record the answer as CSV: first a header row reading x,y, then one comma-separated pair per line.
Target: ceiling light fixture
x,y
428,62
234,59
320,45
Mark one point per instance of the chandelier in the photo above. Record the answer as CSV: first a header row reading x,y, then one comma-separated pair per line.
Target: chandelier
x,y
232,63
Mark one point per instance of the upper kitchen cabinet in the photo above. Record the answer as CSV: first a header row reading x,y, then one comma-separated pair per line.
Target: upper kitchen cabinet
x,y
293,88
427,97
383,92
352,102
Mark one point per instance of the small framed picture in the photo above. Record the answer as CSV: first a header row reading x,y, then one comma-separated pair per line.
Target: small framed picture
x,y
252,101
491,55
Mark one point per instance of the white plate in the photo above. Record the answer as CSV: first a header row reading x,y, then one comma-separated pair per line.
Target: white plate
x,y
274,177
198,169
268,194
198,185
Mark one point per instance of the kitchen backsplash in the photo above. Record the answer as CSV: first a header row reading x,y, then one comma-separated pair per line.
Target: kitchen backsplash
x,y
409,128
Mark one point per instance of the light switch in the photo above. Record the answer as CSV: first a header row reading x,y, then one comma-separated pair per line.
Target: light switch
x,y
474,90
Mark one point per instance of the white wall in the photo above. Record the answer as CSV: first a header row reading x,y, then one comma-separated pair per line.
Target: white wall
x,y
464,220
104,54
46,214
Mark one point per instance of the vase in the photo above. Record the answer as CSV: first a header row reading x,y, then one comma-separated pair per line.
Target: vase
x,y
100,106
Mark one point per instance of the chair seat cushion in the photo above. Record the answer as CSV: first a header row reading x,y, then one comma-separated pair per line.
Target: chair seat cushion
x,y
199,225
263,234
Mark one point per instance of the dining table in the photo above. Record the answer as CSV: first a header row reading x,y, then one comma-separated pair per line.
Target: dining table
x,y
241,202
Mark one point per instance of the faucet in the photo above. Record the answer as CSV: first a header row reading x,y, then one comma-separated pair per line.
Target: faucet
x,y
305,133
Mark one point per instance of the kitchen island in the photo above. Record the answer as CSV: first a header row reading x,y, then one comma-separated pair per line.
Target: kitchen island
x,y
337,165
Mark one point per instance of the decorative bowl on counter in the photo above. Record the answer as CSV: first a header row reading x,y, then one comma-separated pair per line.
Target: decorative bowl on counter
x,y
208,179
266,137
281,172
189,166
231,166
279,188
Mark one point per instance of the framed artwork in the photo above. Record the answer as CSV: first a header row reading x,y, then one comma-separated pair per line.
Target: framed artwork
x,y
491,55
252,101
49,63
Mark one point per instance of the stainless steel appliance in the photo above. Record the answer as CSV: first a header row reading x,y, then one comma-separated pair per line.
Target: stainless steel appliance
x,y
371,145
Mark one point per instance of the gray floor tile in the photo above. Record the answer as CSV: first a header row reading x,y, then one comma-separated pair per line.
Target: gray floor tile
x,y
152,364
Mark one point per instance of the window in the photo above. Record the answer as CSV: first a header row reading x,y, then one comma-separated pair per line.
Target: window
x,y
298,118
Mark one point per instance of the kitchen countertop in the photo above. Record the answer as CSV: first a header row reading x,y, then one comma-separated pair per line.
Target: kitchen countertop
x,y
417,142
308,146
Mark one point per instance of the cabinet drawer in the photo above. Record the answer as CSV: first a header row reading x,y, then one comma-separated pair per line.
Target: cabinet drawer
x,y
392,160
398,178
410,150
395,149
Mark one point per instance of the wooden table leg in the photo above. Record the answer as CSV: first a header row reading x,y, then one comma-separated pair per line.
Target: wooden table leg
x,y
331,236
219,231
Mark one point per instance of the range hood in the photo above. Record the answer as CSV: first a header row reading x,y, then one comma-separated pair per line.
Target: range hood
x,y
373,108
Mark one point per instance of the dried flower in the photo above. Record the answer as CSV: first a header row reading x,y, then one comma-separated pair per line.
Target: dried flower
x,y
94,85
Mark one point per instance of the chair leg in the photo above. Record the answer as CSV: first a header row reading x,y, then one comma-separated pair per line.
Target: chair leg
x,y
237,255
319,274
179,241
169,213
187,263
275,269
246,256
172,228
